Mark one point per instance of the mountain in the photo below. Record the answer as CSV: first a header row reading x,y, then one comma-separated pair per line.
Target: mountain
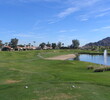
x,y
103,42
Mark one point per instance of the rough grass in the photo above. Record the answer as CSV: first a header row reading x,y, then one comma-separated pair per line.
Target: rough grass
x,y
48,79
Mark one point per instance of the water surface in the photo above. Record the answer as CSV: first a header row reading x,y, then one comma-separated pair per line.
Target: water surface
x,y
98,59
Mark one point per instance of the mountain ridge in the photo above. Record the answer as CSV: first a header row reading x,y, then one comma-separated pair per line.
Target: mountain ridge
x,y
103,42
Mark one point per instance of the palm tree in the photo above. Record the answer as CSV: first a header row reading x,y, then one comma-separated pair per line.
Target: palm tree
x,y
6,43
34,43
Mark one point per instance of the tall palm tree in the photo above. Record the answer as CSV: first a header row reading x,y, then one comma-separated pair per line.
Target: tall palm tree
x,y
34,43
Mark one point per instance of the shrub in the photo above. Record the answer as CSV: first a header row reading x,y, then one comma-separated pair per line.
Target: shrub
x,y
102,69
90,67
98,69
108,68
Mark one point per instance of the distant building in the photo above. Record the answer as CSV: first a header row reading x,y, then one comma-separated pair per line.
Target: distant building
x,y
47,48
7,48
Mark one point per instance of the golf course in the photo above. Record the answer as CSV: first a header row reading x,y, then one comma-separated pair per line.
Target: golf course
x,y
30,75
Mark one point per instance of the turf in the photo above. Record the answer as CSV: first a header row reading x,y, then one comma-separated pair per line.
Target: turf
x,y
49,79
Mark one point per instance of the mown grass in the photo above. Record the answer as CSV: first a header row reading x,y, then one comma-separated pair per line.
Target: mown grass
x,y
49,79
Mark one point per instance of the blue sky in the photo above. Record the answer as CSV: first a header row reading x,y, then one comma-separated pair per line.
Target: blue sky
x,y
54,20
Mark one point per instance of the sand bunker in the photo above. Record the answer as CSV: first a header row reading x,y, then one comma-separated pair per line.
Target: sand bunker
x,y
62,57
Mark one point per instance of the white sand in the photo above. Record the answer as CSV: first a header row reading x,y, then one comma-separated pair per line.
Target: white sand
x,y
62,57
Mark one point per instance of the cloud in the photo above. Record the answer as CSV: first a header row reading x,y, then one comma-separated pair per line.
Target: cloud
x,y
89,3
67,31
102,28
84,19
72,6
26,1
27,35
102,14
23,35
91,8
84,3
106,27
67,12
52,21
94,13
105,9
62,31
76,6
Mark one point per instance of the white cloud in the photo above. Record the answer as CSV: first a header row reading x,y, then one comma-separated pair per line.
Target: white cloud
x,y
105,9
89,2
76,6
67,31
84,19
94,13
84,3
72,6
26,1
102,14
23,35
102,28
67,12
27,35
62,31
106,27
52,21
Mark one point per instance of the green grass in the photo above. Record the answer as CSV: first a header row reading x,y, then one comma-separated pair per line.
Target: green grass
x,y
48,79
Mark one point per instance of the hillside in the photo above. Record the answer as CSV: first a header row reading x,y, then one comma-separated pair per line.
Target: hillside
x,y
103,42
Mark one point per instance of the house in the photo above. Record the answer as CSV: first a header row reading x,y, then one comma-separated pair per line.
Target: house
x,y
47,48
7,48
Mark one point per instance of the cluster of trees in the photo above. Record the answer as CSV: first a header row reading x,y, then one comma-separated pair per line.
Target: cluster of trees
x,y
53,45
75,45
7,46
14,43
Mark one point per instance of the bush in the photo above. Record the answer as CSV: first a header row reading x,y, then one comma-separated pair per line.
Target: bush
x,y
90,67
99,70
102,69
108,68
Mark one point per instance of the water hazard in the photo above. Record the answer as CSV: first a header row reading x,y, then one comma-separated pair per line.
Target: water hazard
x,y
98,59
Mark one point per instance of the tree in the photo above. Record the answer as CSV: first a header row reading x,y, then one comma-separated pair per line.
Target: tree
x,y
34,43
59,45
75,43
1,44
29,44
6,44
48,44
42,45
13,43
62,44
54,45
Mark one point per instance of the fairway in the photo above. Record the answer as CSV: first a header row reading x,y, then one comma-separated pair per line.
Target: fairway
x,y
26,75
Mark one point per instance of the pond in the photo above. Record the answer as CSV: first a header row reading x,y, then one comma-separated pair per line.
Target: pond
x,y
98,59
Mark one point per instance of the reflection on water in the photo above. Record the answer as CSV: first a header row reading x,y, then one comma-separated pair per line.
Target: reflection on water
x,y
99,59
77,58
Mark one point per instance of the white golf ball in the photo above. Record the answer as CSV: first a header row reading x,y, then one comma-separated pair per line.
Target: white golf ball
x,y
26,86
